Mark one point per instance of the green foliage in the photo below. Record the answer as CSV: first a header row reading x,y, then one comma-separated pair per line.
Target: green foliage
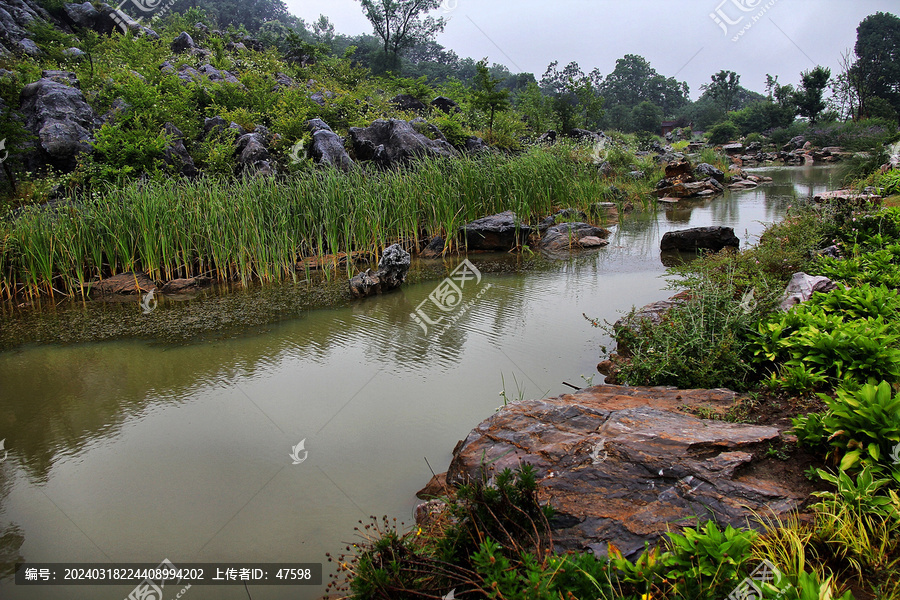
x,y
723,88
486,96
723,132
761,117
808,98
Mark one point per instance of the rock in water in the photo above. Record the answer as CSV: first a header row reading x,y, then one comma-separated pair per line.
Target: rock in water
x,y
700,238
392,270
568,236
501,232
623,465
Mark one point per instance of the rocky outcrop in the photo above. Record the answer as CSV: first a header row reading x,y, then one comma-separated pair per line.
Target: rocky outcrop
x,y
500,232
680,181
566,214
700,238
391,273
802,287
624,465
182,43
328,147
573,236
391,142
252,153
704,170
57,113
175,154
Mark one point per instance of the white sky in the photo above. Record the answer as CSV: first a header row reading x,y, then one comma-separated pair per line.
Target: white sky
x,y
678,37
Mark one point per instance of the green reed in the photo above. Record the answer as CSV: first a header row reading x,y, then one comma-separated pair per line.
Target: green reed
x,y
257,229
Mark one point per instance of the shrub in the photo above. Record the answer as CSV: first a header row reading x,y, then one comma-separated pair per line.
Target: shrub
x,y
724,132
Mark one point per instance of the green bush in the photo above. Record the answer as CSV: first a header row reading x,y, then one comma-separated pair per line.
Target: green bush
x,y
723,132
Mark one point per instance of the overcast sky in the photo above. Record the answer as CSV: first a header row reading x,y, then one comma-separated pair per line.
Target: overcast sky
x,y
679,38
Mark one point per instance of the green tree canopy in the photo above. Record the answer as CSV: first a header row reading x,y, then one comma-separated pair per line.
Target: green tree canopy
x,y
876,72
723,88
809,97
487,96
400,24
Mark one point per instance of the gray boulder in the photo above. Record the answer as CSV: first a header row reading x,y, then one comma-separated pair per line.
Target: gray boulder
x,y
82,15
407,102
392,270
182,43
802,287
328,147
704,170
60,118
700,238
175,154
391,142
500,232
446,105
74,53
251,152
29,47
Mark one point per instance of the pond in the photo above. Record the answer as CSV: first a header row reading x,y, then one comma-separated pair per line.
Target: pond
x,y
130,450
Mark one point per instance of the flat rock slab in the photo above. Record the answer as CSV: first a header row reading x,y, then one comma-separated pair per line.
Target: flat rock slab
x,y
623,465
700,238
123,283
567,236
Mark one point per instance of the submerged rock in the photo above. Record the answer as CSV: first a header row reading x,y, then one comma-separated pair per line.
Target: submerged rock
x,y
623,465
392,270
499,232
700,238
568,236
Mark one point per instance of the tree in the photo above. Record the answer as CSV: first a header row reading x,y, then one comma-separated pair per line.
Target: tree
x,y
723,89
646,117
634,81
249,13
809,97
574,96
876,72
486,95
400,24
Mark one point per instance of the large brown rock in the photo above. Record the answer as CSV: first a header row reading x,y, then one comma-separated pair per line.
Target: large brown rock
x,y
568,236
123,283
623,465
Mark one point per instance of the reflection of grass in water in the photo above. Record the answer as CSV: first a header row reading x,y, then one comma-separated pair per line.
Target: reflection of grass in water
x,y
256,229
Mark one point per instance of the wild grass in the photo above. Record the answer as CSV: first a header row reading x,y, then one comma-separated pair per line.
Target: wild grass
x,y
257,228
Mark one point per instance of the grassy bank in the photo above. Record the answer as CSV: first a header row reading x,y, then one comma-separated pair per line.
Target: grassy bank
x,y
257,229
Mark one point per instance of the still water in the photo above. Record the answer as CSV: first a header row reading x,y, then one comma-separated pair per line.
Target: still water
x,y
131,451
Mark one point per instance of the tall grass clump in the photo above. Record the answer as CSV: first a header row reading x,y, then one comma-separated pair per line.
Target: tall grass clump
x,y
257,228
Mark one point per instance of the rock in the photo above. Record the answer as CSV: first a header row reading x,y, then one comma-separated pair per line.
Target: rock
x,y
251,151
187,285
733,148
434,248
623,465
795,143
175,154
392,269
216,76
753,147
583,135
252,43
61,118
565,236
446,105
283,81
390,142
408,103
687,190
202,28
475,145
320,97
118,107
636,174
802,287
590,241
742,184
680,170
704,170
328,147
123,283
83,15
218,125
569,214
435,488
547,138
500,232
182,43
28,47
74,54
427,129
235,46
707,238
